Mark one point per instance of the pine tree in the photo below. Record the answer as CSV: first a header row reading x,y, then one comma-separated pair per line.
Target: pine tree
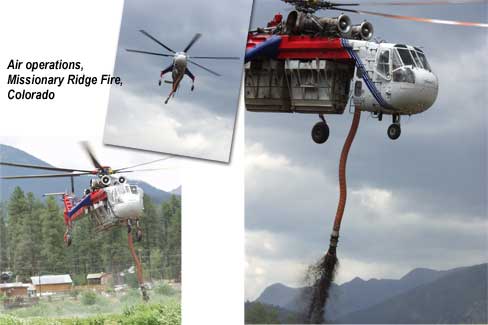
x,y
3,241
28,249
151,232
53,252
171,248
17,208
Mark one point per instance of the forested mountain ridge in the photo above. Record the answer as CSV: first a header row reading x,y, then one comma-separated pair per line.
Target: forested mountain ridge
x,y
457,295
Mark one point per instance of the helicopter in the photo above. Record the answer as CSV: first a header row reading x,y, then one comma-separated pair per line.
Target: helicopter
x,y
311,64
179,66
109,200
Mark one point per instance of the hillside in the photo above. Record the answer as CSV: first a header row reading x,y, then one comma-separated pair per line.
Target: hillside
x,y
41,186
358,300
458,297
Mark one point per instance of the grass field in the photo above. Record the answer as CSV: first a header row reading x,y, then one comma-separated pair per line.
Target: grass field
x,y
164,308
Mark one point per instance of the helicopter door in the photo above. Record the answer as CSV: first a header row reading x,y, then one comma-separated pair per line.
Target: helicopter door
x,y
383,72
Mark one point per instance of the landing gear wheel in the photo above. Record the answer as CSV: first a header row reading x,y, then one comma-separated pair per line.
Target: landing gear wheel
x,y
145,296
320,132
139,235
394,131
159,83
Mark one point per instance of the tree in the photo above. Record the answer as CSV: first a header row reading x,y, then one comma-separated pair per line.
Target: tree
x,y
29,237
53,251
17,208
258,313
151,232
3,241
171,245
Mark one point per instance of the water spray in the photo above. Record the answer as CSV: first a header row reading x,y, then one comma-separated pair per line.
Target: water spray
x,y
322,274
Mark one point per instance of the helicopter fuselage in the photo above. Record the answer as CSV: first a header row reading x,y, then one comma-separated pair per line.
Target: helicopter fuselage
x,y
319,75
180,62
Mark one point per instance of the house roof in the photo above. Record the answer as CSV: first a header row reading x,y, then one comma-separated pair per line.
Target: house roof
x,y
14,285
51,279
95,275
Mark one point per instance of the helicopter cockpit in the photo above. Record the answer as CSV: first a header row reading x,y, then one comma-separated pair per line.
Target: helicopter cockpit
x,y
406,76
396,62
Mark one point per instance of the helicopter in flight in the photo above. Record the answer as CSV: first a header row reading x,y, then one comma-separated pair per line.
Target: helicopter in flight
x,y
110,200
179,65
311,64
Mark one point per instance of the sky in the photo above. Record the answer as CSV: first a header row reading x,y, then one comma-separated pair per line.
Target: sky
x,y
200,123
67,152
419,201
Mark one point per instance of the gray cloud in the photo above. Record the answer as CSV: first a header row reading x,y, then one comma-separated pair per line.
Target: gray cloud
x,y
417,201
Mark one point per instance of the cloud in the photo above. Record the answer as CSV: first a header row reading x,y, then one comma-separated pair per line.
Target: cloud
x,y
290,205
205,136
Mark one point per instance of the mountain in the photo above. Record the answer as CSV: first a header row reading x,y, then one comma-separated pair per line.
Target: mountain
x,y
358,295
350,296
279,295
176,191
458,297
41,186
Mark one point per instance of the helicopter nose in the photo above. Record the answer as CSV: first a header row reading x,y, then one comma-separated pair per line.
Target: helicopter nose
x,y
428,83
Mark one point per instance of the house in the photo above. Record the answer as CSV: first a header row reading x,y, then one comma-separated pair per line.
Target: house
x,y
52,283
17,289
98,278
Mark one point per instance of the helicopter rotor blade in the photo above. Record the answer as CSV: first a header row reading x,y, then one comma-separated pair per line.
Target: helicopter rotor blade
x,y
206,69
217,57
155,40
4,163
146,52
45,176
90,153
193,40
144,170
418,19
143,164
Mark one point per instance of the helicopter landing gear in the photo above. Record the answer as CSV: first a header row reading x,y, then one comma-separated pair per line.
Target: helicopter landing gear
x,y
394,130
145,296
192,87
159,82
68,237
138,231
320,131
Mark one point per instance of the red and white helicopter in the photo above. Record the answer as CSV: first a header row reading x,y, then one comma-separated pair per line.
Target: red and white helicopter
x,y
311,64
109,200
179,66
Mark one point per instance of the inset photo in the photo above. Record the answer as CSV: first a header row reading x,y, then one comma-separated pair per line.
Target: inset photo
x,y
181,69
94,233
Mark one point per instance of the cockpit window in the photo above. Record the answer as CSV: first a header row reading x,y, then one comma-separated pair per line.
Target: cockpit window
x,y
384,64
133,189
406,57
423,59
396,62
416,59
